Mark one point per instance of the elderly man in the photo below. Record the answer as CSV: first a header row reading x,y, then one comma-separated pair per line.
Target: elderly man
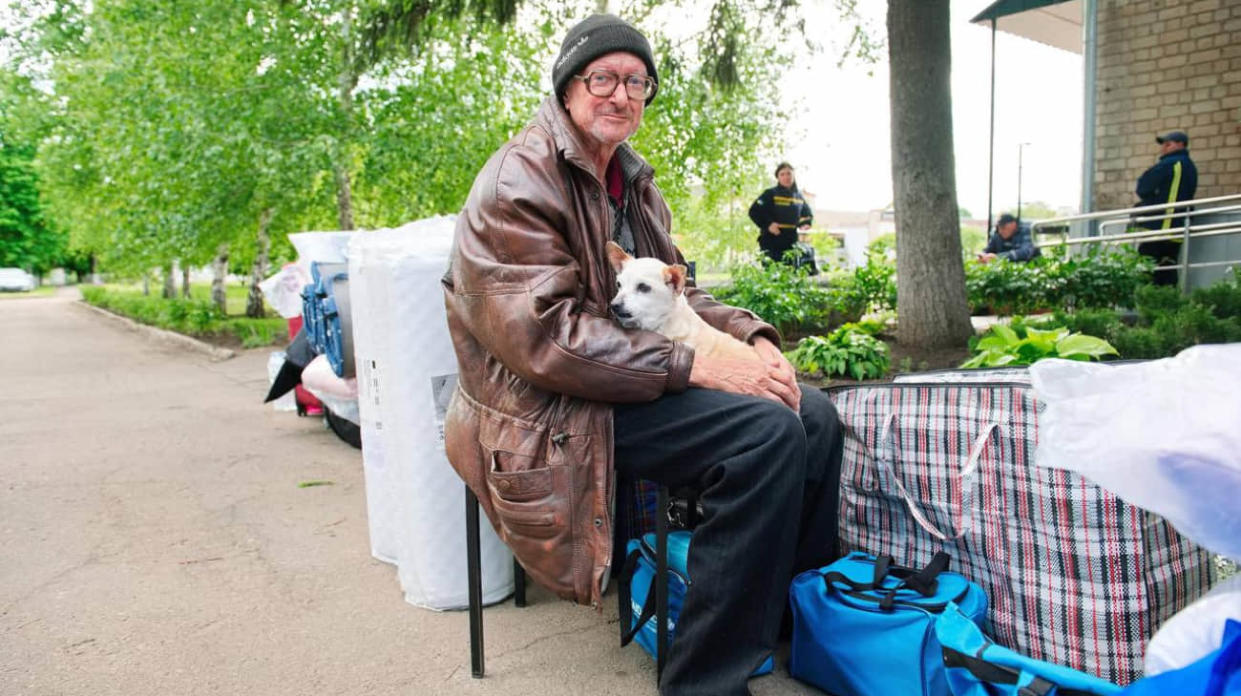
x,y
555,399
1011,240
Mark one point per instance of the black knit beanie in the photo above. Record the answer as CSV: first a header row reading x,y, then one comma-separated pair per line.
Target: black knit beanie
x,y
595,36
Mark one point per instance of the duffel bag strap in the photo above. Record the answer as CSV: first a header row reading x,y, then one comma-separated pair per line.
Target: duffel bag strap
x,y
925,582
626,606
990,673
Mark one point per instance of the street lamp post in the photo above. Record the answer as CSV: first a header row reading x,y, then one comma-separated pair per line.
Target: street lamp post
x,y
1020,146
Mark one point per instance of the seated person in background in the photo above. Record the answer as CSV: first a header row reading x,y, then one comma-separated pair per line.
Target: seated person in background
x,y
1011,240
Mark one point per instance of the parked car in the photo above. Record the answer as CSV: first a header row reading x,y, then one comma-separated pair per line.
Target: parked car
x,y
15,280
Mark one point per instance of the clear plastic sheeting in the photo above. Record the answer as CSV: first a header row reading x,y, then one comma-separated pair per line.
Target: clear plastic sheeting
x,y
1195,631
1164,435
406,373
283,290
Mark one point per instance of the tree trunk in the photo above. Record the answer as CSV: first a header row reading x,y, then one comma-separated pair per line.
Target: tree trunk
x,y
185,281
254,302
931,306
219,273
347,80
170,282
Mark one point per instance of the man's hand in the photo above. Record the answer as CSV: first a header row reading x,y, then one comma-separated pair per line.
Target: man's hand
x,y
769,378
770,353
986,258
774,228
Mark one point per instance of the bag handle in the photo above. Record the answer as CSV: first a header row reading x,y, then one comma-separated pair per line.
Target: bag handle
x,y
966,479
990,673
648,607
925,581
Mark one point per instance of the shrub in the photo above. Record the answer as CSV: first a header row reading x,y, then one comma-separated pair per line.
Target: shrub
x,y
785,297
1100,279
847,351
196,317
1003,345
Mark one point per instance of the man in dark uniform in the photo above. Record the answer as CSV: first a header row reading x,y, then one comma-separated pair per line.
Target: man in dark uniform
x,y
1011,240
1173,178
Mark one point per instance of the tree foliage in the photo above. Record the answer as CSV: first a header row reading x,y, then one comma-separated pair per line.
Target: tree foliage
x,y
172,130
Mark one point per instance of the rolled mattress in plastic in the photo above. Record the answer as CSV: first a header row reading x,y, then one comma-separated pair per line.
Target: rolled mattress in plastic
x,y
406,373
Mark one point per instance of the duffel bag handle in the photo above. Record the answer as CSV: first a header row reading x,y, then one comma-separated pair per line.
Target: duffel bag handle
x,y
965,477
626,610
925,581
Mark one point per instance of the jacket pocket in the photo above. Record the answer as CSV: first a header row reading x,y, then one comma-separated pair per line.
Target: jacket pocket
x,y
520,484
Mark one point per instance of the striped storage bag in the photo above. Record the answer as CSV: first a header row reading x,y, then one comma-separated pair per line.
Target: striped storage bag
x,y
945,461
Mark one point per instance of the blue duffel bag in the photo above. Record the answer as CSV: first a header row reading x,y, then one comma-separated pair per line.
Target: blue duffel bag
x,y
637,591
1217,674
864,626
978,667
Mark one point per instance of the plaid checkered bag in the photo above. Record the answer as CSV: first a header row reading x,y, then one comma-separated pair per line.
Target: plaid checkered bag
x,y
1075,575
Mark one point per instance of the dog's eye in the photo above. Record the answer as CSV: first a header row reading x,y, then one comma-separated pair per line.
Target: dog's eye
x,y
643,287
618,285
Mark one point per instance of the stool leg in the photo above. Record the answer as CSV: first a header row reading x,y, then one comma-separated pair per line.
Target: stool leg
x,y
474,571
661,582
519,584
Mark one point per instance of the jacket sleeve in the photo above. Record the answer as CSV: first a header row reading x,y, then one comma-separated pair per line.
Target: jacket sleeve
x,y
518,289
993,244
1025,249
760,211
1153,184
807,215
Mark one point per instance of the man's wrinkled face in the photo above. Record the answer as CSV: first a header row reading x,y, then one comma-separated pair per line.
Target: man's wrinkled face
x,y
607,120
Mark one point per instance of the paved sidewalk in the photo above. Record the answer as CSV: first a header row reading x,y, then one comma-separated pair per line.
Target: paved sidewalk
x,y
153,540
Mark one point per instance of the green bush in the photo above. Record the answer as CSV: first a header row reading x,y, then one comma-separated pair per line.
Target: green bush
x,y
196,317
847,351
1100,279
1024,345
785,297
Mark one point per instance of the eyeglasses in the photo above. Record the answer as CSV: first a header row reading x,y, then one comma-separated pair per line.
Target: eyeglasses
x,y
602,83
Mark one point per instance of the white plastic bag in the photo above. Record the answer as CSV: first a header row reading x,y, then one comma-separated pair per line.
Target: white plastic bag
x,y
283,290
1195,630
339,395
1164,435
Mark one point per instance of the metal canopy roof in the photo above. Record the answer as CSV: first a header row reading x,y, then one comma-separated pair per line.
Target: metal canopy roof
x,y
1053,22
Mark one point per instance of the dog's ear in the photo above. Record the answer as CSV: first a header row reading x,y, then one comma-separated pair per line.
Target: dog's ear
x,y
616,256
674,276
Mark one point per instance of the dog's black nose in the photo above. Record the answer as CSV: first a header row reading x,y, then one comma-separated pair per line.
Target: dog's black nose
x,y
619,310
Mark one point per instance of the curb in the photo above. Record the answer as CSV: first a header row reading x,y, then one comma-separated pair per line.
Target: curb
x,y
162,336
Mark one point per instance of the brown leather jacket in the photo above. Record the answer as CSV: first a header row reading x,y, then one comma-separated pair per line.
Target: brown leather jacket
x,y
529,428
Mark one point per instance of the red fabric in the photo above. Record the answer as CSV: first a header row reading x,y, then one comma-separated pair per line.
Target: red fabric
x,y
614,180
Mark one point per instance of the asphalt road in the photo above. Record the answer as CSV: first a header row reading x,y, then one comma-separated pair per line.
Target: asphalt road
x,y
154,540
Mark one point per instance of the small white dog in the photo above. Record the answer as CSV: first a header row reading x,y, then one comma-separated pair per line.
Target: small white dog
x,y
650,295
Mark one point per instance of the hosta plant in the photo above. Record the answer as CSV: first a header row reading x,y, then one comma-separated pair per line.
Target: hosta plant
x,y
1002,345
846,352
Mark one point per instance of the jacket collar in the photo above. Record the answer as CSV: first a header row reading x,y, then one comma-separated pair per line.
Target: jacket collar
x,y
572,146
1178,153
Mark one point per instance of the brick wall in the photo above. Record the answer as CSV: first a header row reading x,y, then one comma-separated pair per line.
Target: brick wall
x,y
1167,65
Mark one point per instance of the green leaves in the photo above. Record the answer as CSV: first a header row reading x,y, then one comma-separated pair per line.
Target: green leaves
x,y
1024,345
1098,279
848,352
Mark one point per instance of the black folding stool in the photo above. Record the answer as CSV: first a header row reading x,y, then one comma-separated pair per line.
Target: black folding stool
x,y
475,577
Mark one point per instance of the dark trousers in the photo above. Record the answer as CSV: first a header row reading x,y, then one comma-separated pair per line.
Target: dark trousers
x,y
768,481
1163,253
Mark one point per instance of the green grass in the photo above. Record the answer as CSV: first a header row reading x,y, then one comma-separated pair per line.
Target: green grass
x,y
196,316
41,291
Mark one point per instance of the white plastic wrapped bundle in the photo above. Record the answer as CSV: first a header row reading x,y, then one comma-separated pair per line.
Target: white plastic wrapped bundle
x,y
1163,435
415,501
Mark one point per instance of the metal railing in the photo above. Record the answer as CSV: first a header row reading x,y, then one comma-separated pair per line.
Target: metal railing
x,y
1192,220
